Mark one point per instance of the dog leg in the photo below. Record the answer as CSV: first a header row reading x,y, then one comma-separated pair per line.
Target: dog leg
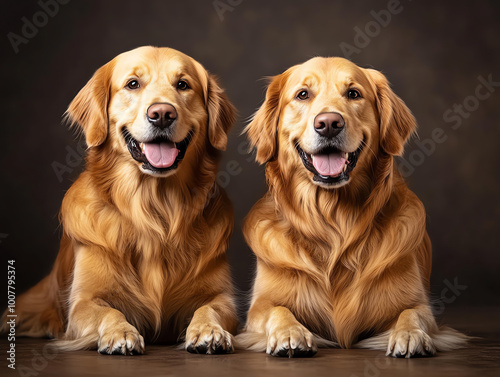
x,y
210,329
95,320
285,336
92,321
410,336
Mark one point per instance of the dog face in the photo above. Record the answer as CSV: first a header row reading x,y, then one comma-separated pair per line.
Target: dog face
x,y
326,114
150,105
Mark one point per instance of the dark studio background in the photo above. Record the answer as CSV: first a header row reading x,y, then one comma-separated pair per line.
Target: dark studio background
x,y
432,52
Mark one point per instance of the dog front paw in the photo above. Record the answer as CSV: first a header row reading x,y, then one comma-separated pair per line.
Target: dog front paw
x,y
121,340
208,339
410,343
291,341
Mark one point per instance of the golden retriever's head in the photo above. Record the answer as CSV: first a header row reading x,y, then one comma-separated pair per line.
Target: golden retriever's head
x,y
150,105
327,115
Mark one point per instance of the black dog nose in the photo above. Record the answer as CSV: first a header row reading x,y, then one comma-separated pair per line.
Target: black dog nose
x,y
328,124
161,115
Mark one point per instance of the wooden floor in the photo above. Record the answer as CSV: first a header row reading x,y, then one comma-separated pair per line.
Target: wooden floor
x,y
481,359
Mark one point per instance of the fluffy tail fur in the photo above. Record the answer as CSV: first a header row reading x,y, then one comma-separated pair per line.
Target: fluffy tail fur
x,y
445,339
37,310
86,342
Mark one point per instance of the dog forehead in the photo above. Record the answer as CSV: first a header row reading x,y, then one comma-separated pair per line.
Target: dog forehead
x,y
147,60
331,70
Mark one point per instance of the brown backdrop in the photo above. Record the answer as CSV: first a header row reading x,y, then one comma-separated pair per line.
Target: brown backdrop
x,y
439,58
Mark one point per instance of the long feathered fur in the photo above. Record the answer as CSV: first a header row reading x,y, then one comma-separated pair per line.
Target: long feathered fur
x,y
155,247
346,262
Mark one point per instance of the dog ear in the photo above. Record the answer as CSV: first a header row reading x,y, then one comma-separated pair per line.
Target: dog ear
x,y
89,109
397,123
262,130
221,114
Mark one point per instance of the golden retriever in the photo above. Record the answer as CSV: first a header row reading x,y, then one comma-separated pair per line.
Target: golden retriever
x,y
342,251
145,226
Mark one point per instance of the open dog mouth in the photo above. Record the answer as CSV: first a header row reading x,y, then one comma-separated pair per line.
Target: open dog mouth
x,y
158,155
329,165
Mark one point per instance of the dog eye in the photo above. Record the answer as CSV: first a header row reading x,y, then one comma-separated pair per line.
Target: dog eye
x,y
133,84
353,94
303,95
182,85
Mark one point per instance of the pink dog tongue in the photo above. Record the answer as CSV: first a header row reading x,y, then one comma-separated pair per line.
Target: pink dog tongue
x,y
161,155
328,165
